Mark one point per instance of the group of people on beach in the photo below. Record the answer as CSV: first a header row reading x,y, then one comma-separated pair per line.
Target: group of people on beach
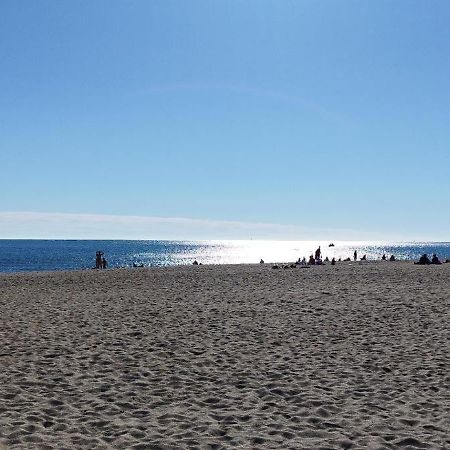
x,y
100,261
424,260
315,259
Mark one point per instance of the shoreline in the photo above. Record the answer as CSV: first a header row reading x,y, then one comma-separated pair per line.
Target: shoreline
x,y
266,264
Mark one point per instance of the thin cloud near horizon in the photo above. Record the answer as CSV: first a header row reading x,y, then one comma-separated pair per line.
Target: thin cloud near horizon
x,y
51,225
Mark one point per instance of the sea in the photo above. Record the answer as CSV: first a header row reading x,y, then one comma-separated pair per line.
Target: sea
x,y
49,255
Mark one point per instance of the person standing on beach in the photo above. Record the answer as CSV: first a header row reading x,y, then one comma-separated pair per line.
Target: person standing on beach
x,y
355,255
318,253
98,259
104,263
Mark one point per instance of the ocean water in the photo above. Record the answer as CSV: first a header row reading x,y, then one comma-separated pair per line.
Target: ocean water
x,y
41,255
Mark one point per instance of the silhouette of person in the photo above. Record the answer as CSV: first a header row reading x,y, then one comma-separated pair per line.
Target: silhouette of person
x,y
424,260
311,261
104,263
355,255
435,259
392,258
261,261
318,253
383,257
333,261
98,259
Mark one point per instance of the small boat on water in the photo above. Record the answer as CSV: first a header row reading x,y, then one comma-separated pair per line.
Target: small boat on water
x,y
331,245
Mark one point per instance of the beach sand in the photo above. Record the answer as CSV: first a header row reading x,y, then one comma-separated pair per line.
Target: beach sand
x,y
351,356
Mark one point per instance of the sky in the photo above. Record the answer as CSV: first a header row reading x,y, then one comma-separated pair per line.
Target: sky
x,y
225,119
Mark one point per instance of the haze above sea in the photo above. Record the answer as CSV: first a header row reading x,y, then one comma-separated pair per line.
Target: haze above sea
x,y
45,255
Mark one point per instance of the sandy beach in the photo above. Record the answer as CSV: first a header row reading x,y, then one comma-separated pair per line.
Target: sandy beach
x,y
352,356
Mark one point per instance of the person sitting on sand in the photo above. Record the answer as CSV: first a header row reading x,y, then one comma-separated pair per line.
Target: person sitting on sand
x,y
195,263
424,260
326,259
312,261
261,261
364,258
392,258
333,261
435,259
383,258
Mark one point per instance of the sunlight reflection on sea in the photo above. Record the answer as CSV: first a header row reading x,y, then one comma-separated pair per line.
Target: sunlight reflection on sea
x,y
38,255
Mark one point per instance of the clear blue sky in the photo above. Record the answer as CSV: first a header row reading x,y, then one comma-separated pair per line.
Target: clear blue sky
x,y
314,114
